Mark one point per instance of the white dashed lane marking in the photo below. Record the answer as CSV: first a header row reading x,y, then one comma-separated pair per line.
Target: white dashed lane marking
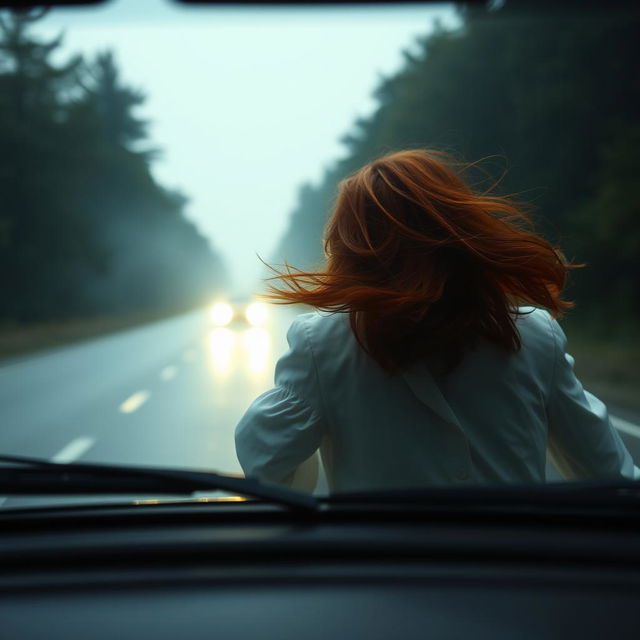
x,y
134,402
168,373
74,450
625,426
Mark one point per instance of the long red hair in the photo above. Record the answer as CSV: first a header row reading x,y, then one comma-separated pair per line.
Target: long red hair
x,y
426,266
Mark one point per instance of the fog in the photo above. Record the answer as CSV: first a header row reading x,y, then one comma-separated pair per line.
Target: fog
x,y
245,105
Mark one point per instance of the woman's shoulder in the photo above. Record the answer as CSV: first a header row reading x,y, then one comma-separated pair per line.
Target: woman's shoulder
x,y
533,318
538,331
326,334
318,323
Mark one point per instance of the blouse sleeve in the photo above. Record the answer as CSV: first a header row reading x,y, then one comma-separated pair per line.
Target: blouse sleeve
x,y
283,427
582,442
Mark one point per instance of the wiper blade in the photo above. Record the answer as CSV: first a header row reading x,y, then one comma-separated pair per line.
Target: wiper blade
x,y
34,476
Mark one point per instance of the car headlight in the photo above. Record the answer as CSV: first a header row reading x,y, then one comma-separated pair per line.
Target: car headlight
x,y
256,314
221,314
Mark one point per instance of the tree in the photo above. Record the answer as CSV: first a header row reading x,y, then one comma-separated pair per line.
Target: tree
x,y
42,238
84,227
113,102
549,92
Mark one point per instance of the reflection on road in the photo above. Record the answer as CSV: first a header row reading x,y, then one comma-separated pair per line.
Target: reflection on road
x,y
221,346
167,394
229,350
256,346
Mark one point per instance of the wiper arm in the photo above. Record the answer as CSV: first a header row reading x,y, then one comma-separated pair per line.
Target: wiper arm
x,y
34,476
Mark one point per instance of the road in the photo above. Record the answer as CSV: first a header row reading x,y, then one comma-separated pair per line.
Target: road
x,y
167,394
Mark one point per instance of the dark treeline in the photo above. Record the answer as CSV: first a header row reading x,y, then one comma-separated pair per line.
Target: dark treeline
x,y
84,228
556,97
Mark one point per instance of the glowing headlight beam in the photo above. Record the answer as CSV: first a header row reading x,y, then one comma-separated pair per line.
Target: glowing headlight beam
x,y
256,348
221,350
256,314
221,314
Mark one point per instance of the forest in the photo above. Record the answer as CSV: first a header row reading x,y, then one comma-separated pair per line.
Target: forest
x,y
85,230
549,102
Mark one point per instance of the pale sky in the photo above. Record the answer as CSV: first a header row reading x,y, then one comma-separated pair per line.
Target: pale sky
x,y
247,104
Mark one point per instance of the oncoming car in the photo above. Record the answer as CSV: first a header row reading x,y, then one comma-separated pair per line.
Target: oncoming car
x,y
251,313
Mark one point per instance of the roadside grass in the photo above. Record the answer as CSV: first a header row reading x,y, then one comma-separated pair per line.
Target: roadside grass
x,y
19,340
609,368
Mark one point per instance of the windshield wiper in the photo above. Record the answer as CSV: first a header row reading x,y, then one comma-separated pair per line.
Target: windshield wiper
x,y
34,476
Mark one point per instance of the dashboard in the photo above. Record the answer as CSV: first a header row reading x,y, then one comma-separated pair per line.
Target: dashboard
x,y
248,570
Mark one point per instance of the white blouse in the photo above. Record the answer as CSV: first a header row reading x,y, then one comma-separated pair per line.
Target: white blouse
x,y
490,421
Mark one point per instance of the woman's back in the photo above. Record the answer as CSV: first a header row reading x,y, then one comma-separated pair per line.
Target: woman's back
x,y
442,361
488,421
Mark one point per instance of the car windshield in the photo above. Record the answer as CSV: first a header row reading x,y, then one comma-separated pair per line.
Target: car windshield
x,y
158,156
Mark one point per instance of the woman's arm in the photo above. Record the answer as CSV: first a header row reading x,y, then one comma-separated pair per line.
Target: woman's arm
x,y
283,427
582,442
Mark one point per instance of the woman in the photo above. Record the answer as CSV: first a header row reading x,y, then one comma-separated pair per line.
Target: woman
x,y
441,361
